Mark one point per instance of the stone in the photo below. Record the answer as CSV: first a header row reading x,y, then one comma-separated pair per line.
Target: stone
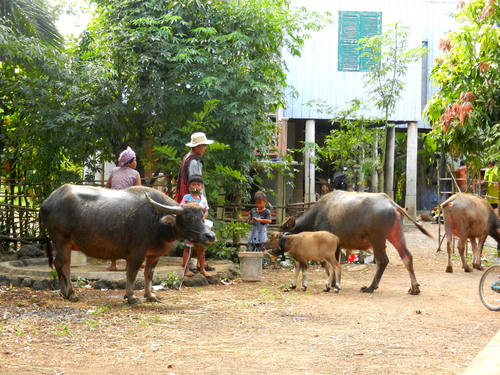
x,y
30,251
14,281
27,282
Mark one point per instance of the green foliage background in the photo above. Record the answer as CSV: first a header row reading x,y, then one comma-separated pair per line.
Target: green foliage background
x,y
465,111
148,71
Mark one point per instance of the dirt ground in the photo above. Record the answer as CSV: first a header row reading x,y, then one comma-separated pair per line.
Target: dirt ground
x,y
259,327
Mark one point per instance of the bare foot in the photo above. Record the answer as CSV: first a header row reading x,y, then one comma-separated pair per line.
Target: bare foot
x,y
204,274
188,274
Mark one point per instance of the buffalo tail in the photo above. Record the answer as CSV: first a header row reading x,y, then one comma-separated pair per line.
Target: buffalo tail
x,y
421,228
48,244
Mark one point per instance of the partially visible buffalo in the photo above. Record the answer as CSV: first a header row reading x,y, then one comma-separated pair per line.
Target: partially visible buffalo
x,y
470,217
361,221
134,224
319,246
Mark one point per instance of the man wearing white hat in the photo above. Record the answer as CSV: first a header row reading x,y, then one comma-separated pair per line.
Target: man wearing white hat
x,y
191,163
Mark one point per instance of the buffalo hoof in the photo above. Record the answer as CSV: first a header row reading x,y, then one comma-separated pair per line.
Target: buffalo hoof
x,y
336,290
153,299
478,267
133,300
367,289
327,289
449,269
468,269
304,288
293,286
413,292
73,298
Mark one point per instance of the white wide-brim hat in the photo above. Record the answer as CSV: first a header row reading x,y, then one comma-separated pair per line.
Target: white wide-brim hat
x,y
199,139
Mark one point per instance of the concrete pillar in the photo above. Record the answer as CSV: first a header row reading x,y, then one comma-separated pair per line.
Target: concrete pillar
x,y
280,179
309,174
411,169
374,177
390,145
361,176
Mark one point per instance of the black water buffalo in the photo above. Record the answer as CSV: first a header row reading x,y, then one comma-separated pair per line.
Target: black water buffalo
x,y
134,224
361,221
469,217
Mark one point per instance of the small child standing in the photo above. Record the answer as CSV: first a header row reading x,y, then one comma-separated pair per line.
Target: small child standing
x,y
260,218
195,185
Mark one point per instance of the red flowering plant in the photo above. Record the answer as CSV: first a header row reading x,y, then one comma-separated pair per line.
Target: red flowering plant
x,y
464,112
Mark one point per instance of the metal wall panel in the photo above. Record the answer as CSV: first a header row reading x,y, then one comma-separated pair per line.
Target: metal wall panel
x,y
315,74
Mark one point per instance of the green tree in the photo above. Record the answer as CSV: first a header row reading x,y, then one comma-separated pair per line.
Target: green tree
x,y
36,150
465,111
352,146
391,57
46,131
160,61
30,19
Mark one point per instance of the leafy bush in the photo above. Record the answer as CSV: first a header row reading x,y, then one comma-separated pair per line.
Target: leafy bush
x,y
228,235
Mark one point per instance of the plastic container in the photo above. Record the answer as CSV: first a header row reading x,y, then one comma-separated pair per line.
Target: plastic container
x,y
251,265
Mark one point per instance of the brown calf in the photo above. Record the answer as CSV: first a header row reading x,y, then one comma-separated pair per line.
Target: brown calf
x,y
318,246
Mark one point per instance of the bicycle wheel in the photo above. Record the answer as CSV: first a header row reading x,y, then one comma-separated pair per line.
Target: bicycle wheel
x,y
489,288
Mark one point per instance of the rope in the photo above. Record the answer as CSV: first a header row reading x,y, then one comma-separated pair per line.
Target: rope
x,y
185,268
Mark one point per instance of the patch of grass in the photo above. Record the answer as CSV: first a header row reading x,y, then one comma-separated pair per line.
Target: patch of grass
x,y
91,323
80,282
284,286
170,282
100,311
62,329
270,293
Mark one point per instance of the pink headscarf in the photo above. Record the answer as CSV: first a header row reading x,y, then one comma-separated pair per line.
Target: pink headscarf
x,y
126,156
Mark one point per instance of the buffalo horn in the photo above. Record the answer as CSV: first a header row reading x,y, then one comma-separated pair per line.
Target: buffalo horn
x,y
161,207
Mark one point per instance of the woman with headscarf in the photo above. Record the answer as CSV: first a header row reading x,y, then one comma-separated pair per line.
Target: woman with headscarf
x,y
122,177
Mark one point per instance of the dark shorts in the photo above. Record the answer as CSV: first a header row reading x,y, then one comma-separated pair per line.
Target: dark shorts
x,y
255,247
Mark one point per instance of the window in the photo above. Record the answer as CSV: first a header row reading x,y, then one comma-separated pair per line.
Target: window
x,y
352,27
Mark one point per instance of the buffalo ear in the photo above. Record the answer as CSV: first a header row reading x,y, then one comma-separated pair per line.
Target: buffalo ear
x,y
168,220
289,224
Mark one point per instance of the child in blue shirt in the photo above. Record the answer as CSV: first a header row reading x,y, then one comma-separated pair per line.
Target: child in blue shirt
x,y
260,218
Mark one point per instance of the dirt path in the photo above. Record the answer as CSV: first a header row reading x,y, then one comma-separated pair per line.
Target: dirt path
x,y
259,328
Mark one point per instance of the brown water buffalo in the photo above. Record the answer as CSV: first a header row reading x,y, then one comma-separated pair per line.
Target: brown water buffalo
x,y
361,221
470,217
318,246
133,224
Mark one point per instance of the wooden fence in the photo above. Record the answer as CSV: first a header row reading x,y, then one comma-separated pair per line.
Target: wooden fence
x,y
19,213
